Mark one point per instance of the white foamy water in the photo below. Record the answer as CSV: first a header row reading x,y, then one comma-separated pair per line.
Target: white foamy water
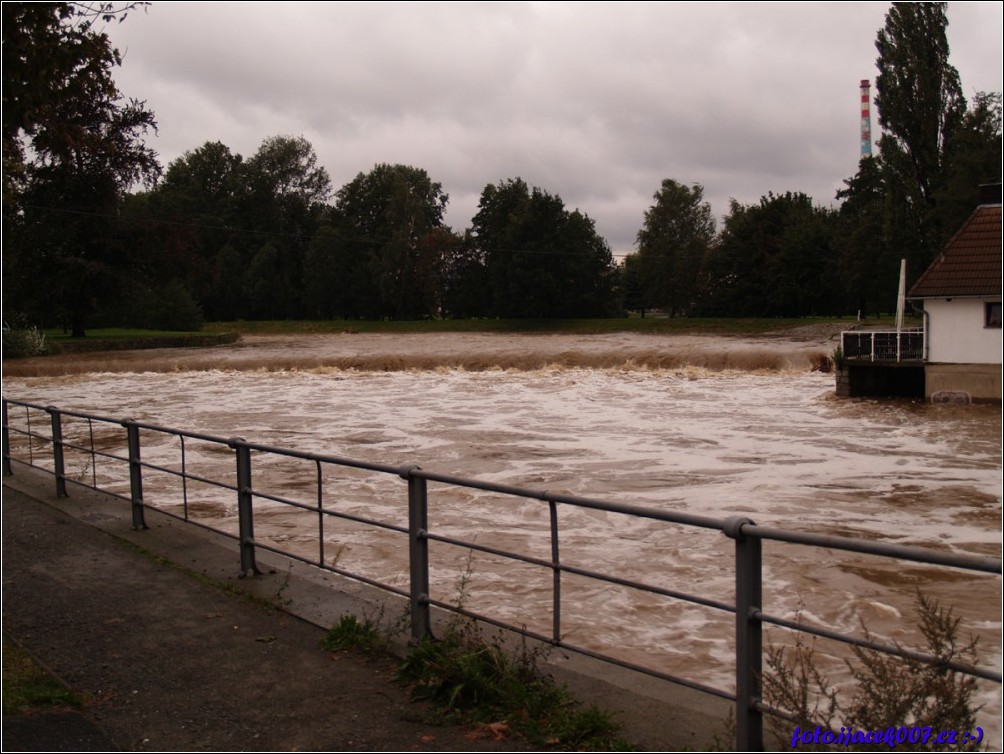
x,y
775,446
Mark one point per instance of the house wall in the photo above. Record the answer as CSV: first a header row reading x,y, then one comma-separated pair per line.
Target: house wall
x,y
970,382
956,332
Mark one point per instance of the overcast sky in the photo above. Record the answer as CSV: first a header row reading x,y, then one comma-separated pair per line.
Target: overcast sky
x,y
596,102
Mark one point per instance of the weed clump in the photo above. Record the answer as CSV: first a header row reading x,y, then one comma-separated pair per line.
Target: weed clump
x,y
474,678
888,691
351,633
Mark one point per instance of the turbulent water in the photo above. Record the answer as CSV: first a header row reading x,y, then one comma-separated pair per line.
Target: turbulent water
x,y
713,426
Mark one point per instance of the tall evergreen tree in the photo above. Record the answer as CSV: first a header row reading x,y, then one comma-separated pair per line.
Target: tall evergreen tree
x,y
919,96
934,150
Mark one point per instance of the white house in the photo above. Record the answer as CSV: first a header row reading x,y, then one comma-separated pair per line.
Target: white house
x,y
961,297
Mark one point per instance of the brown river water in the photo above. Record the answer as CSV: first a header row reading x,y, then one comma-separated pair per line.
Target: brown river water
x,y
712,425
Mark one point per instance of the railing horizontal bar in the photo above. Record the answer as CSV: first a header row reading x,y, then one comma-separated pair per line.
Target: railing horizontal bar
x,y
888,649
596,575
650,588
648,671
885,549
190,477
988,565
337,514
312,507
100,453
371,521
334,460
334,569
28,433
582,502
489,550
216,439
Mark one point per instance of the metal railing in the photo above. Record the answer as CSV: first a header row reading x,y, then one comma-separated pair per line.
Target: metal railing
x,y
884,345
746,535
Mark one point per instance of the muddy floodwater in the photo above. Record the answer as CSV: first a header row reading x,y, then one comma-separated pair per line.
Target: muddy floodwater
x,y
710,425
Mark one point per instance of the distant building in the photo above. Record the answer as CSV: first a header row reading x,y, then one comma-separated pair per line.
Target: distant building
x,y
961,297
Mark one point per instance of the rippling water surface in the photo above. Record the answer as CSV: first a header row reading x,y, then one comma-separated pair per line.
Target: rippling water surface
x,y
668,424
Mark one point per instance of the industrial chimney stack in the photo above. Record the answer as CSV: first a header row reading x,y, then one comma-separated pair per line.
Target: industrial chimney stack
x,y
866,119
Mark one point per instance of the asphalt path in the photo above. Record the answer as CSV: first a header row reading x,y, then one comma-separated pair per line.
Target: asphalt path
x,y
164,661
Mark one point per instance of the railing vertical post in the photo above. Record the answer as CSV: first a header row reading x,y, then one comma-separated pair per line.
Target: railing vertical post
x,y
58,464
135,474
555,575
245,506
749,636
7,471
418,553
320,515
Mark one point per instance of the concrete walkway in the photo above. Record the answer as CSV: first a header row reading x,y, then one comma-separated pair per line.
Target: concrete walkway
x,y
148,627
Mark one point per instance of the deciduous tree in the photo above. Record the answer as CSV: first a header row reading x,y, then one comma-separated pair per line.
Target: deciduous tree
x,y
774,259
542,261
672,244
384,219
71,148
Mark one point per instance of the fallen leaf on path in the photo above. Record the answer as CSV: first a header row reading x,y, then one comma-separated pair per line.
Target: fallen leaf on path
x,y
494,731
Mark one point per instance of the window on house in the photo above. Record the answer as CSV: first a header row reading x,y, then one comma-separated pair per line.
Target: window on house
x,y
992,314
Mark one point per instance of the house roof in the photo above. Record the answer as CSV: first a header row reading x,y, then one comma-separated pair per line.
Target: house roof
x,y
970,264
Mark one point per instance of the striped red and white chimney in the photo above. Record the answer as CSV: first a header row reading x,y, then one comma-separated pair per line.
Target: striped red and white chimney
x,y
866,119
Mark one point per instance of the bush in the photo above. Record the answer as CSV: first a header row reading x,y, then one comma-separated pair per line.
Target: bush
x,y
170,307
21,339
888,692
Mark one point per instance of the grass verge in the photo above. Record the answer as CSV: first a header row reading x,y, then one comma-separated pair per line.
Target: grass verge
x,y
27,686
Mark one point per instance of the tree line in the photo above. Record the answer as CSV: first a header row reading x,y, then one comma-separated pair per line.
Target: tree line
x,y
98,234
258,239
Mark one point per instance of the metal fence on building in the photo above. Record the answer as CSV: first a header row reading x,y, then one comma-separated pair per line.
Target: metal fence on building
x,y
884,345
